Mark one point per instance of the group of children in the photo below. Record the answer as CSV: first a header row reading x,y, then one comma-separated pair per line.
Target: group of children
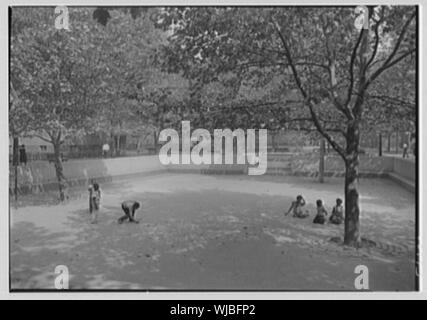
x,y
337,216
129,207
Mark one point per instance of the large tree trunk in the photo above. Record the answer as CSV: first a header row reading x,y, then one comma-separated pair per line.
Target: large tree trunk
x,y
155,142
273,141
112,145
352,209
59,169
118,145
389,142
397,141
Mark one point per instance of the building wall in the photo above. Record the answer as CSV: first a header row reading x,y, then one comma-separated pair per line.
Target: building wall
x,y
32,145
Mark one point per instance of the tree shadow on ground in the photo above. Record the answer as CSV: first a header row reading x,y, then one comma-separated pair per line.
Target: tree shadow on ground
x,y
204,239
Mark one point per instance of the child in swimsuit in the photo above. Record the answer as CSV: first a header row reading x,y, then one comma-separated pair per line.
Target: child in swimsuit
x,y
337,216
129,208
320,217
94,201
296,208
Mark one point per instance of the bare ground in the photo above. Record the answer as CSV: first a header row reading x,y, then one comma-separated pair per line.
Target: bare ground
x,y
213,232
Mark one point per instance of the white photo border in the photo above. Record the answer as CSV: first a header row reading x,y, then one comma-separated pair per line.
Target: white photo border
x,y
259,295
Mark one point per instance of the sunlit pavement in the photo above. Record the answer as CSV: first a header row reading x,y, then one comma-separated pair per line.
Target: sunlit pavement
x,y
214,232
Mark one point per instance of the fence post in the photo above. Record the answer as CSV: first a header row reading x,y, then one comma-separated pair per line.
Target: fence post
x,y
389,141
322,160
397,141
15,164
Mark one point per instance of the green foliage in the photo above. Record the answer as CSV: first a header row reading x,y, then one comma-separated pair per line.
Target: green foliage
x,y
392,100
301,67
55,74
97,77
104,75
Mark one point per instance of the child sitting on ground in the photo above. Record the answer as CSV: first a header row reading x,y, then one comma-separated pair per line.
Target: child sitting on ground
x,y
94,201
296,208
337,216
320,217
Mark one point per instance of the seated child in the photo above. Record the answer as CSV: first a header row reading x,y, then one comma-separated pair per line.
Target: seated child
x,y
129,208
320,217
296,208
94,201
337,216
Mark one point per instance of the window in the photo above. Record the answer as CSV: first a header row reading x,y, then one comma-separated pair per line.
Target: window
x,y
43,148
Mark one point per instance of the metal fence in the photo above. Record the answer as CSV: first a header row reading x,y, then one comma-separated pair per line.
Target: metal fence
x,y
88,152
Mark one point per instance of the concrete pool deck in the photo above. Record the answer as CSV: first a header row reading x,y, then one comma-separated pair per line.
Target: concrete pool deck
x,y
210,232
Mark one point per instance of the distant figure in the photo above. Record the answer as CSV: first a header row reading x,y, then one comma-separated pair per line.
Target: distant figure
x,y
413,145
90,189
405,151
105,149
296,208
129,208
22,155
321,215
337,216
94,201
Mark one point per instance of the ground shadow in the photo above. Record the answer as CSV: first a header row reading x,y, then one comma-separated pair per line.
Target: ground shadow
x,y
214,238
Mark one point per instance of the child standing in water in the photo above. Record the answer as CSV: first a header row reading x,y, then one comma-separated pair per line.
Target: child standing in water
x,y
320,217
94,201
296,208
337,216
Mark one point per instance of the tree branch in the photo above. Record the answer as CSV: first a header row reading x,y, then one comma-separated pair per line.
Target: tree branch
x,y
392,63
42,138
392,100
352,60
307,99
290,61
322,131
377,38
312,64
389,61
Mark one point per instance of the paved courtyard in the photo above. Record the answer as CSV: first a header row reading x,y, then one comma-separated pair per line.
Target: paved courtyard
x,y
213,232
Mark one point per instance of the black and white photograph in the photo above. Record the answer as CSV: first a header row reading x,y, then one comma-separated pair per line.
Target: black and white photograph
x,y
232,148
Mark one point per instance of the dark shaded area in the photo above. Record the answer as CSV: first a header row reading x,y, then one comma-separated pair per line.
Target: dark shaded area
x,y
101,15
